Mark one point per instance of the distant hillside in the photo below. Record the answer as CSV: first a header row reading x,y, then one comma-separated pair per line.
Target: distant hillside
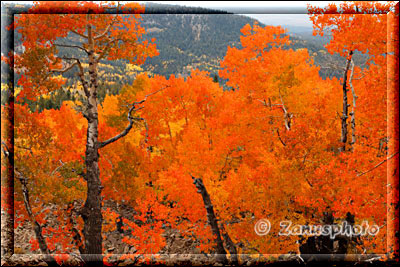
x,y
189,38
198,40
156,8
187,41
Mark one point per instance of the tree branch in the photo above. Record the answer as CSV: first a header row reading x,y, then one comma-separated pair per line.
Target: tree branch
x,y
80,34
343,137
377,165
56,169
36,226
230,246
283,104
26,148
71,46
146,126
65,69
82,174
80,73
279,136
131,121
106,30
353,110
82,78
146,96
309,183
106,49
212,219
287,116
222,171
124,132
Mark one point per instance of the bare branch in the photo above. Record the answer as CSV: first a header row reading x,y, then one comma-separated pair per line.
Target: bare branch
x,y
230,245
36,226
106,50
353,110
80,74
263,102
123,133
227,157
308,182
106,30
56,169
283,104
72,46
359,78
374,259
65,69
279,136
146,126
70,58
26,148
146,96
80,34
333,66
109,161
377,165
287,116
82,174
131,121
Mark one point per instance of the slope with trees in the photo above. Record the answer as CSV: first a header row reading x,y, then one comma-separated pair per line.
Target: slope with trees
x,y
182,153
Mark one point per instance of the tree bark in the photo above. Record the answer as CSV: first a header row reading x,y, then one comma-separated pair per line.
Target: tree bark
x,y
212,219
230,246
91,212
37,228
343,137
353,110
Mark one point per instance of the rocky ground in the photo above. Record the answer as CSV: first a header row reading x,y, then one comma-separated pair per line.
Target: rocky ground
x,y
177,251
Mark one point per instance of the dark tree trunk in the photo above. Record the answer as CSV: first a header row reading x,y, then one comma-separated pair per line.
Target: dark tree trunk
x,y
212,219
317,245
37,228
323,248
345,113
91,212
230,246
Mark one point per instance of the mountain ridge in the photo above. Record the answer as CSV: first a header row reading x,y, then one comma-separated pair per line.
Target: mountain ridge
x,y
190,38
